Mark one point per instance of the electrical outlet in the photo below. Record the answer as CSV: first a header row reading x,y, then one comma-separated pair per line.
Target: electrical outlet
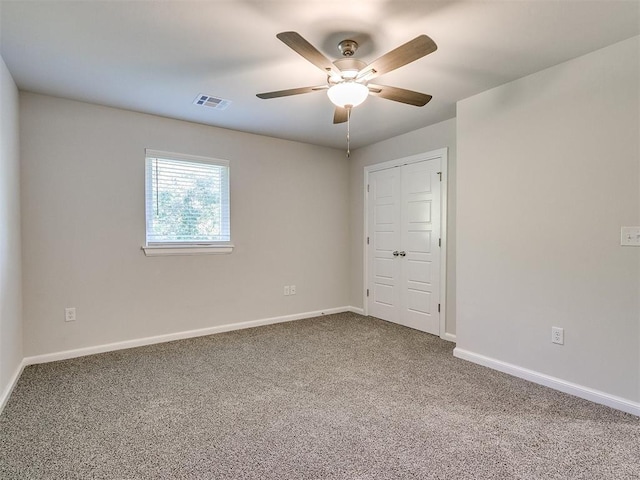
x,y
70,314
630,236
292,289
557,335
286,290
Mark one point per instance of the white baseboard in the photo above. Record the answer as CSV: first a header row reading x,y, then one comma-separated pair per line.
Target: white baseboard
x,y
358,310
140,342
449,337
4,397
581,391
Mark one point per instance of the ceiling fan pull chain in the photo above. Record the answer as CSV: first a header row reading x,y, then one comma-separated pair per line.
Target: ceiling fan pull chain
x,y
348,132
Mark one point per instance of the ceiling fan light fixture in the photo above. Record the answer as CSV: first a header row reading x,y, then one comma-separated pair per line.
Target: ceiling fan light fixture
x,y
348,93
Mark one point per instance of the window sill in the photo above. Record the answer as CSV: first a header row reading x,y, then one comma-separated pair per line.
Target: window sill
x,y
164,250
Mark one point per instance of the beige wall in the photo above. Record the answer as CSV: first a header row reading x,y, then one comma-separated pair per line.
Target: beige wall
x,y
10,266
83,225
548,172
434,137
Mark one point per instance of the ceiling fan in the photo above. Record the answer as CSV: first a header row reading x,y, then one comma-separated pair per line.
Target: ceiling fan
x,y
348,78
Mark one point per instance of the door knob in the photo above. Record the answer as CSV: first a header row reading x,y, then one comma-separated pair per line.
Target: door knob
x,y
402,254
396,253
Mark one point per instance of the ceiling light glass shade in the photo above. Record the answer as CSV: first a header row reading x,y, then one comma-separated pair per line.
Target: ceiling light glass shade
x,y
348,93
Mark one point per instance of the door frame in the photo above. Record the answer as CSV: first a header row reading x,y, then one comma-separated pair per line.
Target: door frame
x,y
441,154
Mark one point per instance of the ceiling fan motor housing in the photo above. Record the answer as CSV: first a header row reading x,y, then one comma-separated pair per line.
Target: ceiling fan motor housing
x,y
349,67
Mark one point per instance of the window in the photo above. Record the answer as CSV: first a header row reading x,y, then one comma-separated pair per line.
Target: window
x,y
187,204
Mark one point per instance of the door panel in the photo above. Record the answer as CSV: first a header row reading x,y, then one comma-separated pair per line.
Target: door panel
x,y
385,242
418,212
419,301
418,242
419,272
384,295
384,214
384,268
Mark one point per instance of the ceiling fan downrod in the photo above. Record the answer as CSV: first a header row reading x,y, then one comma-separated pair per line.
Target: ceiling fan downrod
x,y
348,47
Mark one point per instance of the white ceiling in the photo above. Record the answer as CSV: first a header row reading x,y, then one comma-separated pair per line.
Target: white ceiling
x,y
157,56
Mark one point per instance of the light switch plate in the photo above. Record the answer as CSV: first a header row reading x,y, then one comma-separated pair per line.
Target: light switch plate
x,y
630,236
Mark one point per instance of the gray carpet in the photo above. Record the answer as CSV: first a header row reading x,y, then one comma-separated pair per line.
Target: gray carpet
x,y
335,397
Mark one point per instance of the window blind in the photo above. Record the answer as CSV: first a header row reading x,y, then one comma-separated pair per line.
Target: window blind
x,y
187,199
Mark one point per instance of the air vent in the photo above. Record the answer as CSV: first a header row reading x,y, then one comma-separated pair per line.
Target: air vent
x,y
211,102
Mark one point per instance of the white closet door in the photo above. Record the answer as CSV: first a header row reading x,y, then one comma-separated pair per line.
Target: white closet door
x,y
384,213
420,232
403,251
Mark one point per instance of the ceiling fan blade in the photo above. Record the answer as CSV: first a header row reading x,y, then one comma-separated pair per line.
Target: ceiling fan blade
x,y
291,91
295,41
340,115
399,95
398,57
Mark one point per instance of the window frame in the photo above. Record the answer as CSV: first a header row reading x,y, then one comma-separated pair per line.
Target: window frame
x,y
186,247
